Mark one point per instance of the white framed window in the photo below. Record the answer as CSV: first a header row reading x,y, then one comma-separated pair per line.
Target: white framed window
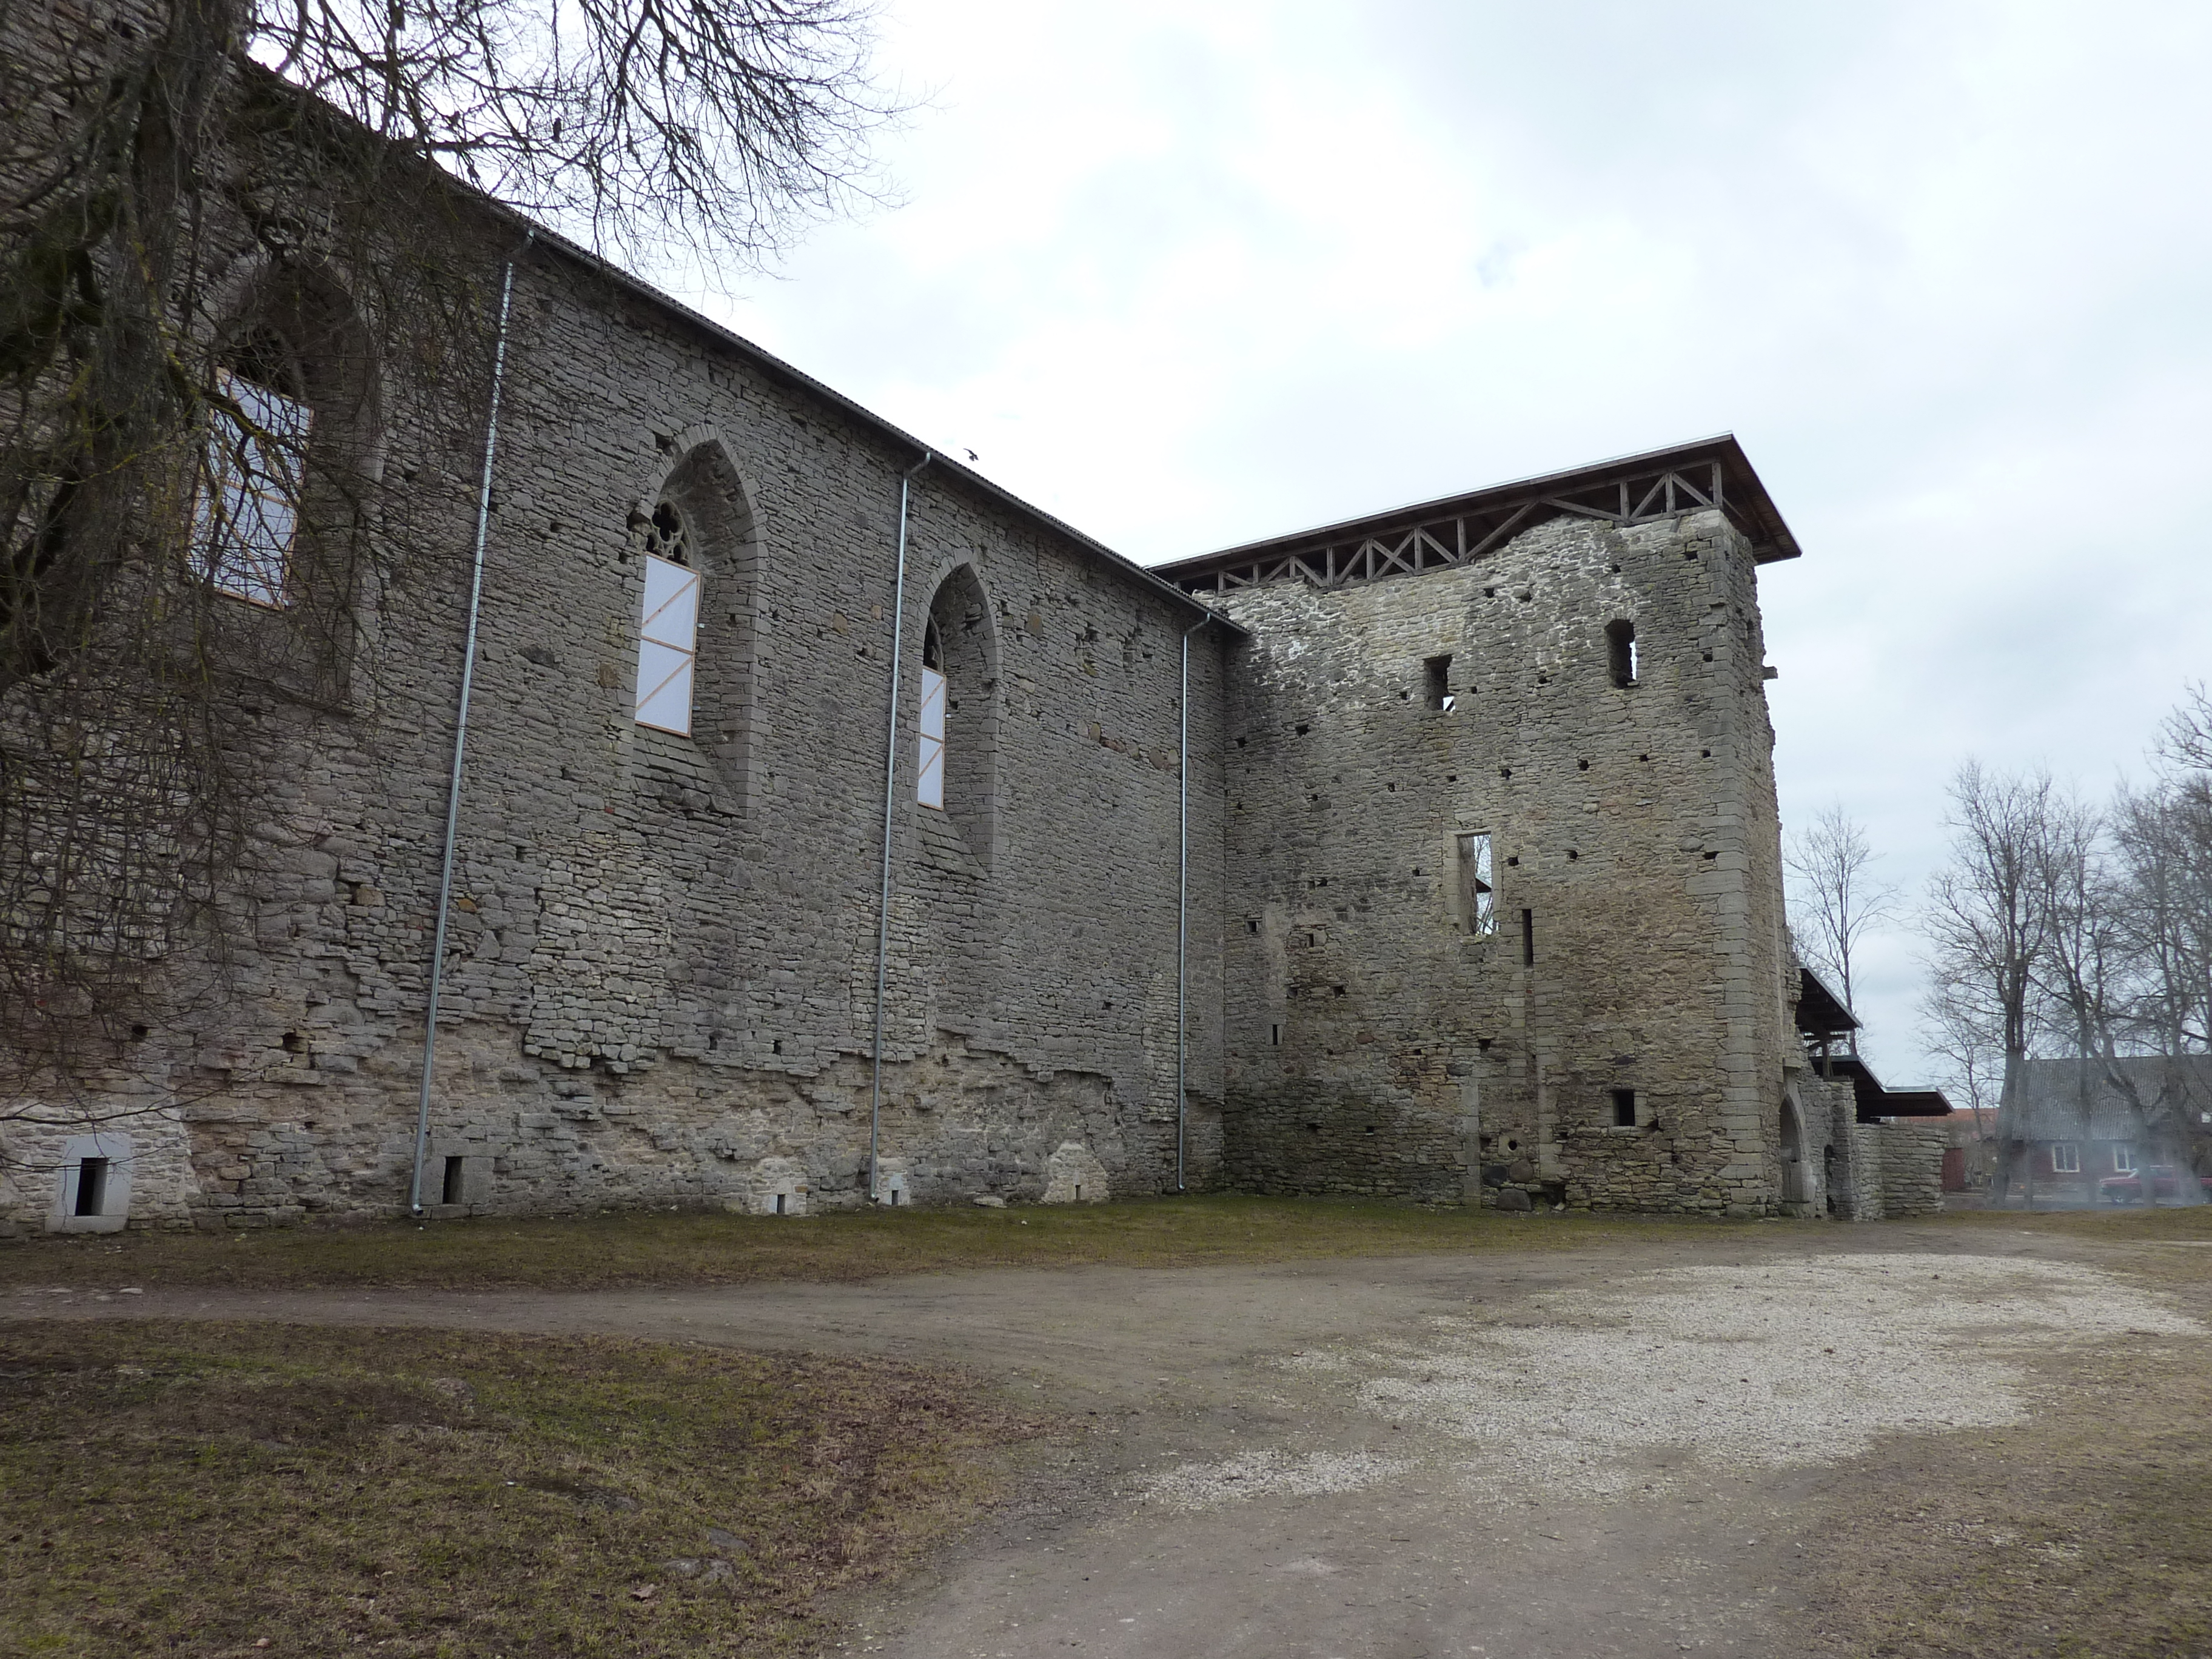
x,y
248,512
929,742
1478,898
2124,1160
668,646
2065,1158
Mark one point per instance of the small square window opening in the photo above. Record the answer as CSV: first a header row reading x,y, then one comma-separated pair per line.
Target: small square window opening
x,y
1620,651
1437,673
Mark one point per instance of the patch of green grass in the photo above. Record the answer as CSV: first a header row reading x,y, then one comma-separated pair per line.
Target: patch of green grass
x,y
201,1489
585,1253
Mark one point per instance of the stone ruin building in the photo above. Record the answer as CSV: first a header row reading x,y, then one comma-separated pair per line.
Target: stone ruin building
x,y
1455,876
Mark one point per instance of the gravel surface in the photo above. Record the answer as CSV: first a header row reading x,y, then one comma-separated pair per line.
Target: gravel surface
x,y
1600,1391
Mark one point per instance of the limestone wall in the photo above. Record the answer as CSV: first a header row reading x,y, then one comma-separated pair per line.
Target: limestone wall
x,y
660,984
1376,1043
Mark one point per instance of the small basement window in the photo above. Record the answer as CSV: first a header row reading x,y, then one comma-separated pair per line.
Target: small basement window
x,y
1437,672
456,1180
1623,1108
1477,897
1620,651
92,1186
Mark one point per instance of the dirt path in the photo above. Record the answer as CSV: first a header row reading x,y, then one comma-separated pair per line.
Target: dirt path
x,y
1626,1453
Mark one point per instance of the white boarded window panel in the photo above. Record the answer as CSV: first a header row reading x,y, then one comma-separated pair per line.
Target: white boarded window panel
x,y
245,521
929,774
668,646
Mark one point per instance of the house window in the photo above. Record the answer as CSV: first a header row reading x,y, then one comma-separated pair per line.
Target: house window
x,y
2065,1158
2123,1159
1437,672
668,631
1620,651
929,742
1477,898
248,512
1623,1108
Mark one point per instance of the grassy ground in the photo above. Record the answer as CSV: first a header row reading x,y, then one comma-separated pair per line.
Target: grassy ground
x,y
707,1248
2085,1534
585,1253
248,1488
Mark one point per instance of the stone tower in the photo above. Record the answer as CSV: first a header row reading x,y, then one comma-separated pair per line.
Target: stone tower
x,y
1504,915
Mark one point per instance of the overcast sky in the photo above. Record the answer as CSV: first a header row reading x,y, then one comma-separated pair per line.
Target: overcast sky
x,y
1188,273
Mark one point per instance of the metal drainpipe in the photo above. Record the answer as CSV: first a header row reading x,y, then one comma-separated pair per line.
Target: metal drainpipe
x,y
1182,894
461,733
890,788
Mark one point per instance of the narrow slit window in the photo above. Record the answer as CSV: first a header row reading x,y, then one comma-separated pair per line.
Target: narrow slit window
x,y
781,1199
92,1187
1275,1036
248,512
667,633
1620,651
1623,1108
929,741
455,1170
1478,898
1528,938
1437,673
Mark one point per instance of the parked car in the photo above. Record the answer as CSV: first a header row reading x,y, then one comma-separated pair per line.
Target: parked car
x,y
2164,1185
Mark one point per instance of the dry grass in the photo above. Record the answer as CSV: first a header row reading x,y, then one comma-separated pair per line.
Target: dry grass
x,y
593,1252
245,1489
2086,1533
2127,1225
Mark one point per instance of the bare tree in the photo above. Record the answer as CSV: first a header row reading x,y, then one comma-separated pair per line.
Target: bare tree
x,y
153,148
1989,923
1840,899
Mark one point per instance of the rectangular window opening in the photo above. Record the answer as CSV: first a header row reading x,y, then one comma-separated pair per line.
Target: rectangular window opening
x,y
1275,1037
1478,897
1437,674
781,1199
1620,651
2123,1159
2065,1159
1528,938
668,646
92,1187
1623,1108
929,743
455,1170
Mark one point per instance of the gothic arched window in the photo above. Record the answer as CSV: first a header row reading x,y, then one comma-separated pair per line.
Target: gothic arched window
x,y
929,759
246,517
668,626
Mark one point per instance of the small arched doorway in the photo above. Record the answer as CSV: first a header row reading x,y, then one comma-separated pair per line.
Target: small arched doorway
x,y
1793,1155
